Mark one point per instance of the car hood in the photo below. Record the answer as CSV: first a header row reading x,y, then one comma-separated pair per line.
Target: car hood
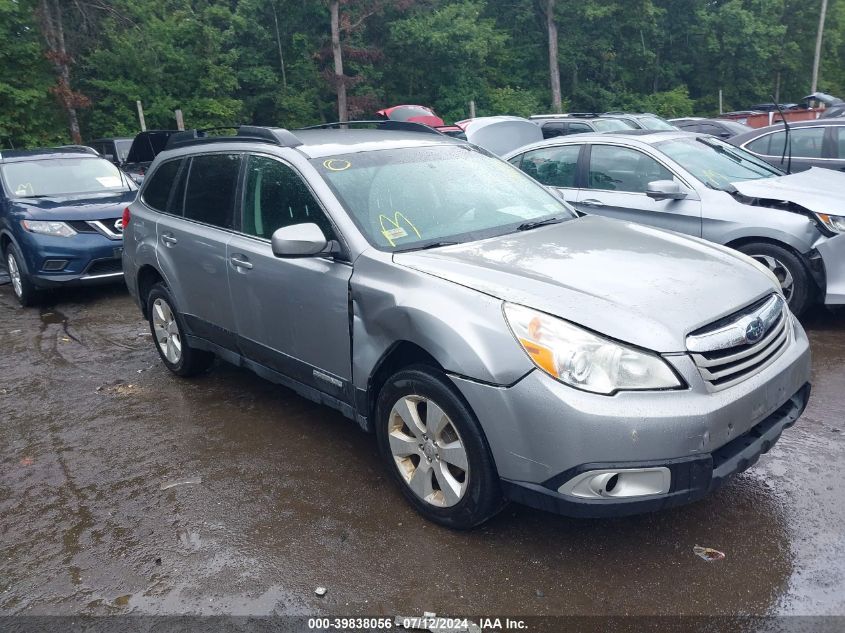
x,y
82,207
817,189
624,280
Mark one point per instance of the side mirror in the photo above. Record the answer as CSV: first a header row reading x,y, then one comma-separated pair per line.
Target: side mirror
x,y
665,190
300,240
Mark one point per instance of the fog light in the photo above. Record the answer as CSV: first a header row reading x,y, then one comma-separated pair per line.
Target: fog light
x,y
54,264
619,483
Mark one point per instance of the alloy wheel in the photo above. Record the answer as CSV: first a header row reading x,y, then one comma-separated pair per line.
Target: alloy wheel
x,y
781,272
428,451
167,331
14,274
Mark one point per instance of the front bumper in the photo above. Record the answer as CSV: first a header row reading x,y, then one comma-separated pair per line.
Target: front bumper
x,y
89,259
541,431
692,477
832,252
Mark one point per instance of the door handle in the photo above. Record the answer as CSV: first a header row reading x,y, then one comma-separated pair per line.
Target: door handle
x,y
168,239
590,203
240,261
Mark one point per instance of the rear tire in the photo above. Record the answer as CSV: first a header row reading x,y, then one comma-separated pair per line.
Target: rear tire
x,y
25,291
168,330
791,272
435,449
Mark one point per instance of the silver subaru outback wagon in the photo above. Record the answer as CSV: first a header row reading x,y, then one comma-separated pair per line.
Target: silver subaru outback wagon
x,y
499,347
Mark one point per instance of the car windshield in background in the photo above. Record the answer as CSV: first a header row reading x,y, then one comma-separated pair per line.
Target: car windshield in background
x,y
414,197
715,163
653,123
61,176
122,148
611,125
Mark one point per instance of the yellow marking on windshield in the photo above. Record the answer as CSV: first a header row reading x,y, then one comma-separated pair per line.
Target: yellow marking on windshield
x,y
336,164
392,234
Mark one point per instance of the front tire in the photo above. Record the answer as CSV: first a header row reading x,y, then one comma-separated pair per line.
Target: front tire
x,y
794,278
435,449
22,285
168,332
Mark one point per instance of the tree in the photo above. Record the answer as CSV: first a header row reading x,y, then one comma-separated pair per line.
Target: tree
x,y
52,28
554,70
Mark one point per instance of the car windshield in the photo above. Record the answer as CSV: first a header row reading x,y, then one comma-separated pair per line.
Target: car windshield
x,y
714,162
61,176
655,123
611,125
409,198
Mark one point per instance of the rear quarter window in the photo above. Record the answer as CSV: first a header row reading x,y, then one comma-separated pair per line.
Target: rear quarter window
x,y
159,185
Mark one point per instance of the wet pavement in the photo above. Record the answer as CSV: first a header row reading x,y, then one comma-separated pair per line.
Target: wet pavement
x,y
124,489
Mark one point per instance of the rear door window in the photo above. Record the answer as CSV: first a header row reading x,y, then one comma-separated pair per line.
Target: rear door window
x,y
578,128
553,129
210,191
157,191
807,142
553,166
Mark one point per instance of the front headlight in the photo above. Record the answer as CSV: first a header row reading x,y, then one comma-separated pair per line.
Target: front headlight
x,y
585,360
835,223
57,229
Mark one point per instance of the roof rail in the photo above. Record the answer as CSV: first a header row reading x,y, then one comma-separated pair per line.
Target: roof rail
x,y
275,135
382,124
81,148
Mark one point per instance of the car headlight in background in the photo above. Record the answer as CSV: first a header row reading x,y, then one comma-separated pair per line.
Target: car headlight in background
x,y
835,223
585,360
57,229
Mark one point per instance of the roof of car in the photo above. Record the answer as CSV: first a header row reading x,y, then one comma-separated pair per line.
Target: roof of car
x,y
111,138
755,132
323,142
649,137
19,155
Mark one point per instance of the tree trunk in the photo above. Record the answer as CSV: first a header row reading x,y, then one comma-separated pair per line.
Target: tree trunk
x,y
52,28
817,57
554,70
342,113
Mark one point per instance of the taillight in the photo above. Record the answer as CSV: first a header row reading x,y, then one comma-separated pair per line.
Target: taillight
x,y
126,217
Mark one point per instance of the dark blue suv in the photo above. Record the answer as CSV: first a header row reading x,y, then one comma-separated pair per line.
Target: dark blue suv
x,y
61,221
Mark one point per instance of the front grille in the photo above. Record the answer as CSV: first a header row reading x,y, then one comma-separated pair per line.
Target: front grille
x,y
104,267
725,356
81,226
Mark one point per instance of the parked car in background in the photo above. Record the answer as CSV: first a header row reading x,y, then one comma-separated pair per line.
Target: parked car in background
x,y
717,127
114,150
774,107
499,346
145,147
500,134
642,120
702,186
554,125
819,143
61,218
834,106
412,113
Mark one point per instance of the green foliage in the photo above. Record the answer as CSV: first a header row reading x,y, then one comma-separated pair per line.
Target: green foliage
x,y
269,62
28,112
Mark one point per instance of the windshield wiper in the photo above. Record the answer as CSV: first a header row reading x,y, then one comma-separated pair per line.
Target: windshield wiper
x,y
426,246
526,226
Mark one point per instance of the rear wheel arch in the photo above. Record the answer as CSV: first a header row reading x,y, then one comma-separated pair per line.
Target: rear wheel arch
x,y
148,276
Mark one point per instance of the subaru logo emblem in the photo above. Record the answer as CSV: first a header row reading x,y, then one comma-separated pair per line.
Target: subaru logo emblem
x,y
754,331
118,225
